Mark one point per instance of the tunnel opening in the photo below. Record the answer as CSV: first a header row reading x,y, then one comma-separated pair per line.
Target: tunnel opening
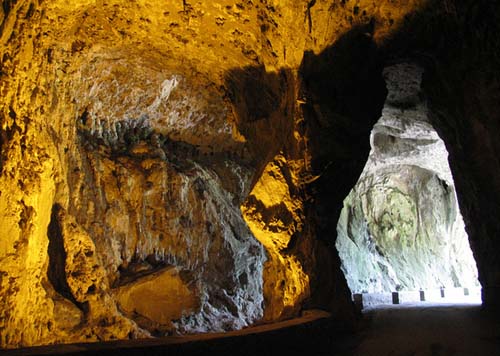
x,y
401,236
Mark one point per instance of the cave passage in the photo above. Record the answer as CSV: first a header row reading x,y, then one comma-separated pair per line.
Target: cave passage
x,y
401,228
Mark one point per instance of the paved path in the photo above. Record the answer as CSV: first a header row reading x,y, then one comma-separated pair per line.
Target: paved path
x,y
428,329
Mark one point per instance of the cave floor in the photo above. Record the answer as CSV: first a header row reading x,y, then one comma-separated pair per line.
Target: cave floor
x,y
434,329
416,330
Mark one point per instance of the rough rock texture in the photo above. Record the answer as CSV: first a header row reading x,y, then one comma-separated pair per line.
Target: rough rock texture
x,y
131,133
401,228
274,212
150,193
142,127
157,299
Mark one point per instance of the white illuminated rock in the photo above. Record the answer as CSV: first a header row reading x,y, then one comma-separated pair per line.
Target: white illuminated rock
x,y
401,228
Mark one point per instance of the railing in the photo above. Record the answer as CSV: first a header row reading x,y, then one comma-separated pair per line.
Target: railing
x,y
440,295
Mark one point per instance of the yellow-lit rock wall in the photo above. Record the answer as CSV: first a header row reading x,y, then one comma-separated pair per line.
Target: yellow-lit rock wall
x,y
274,212
129,140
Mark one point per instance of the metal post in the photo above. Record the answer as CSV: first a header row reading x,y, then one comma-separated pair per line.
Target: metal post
x,y
395,298
358,300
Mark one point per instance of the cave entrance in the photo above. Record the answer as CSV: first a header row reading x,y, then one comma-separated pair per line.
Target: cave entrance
x,y
401,237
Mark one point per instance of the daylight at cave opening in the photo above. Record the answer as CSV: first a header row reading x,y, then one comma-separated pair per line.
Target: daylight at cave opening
x,y
401,228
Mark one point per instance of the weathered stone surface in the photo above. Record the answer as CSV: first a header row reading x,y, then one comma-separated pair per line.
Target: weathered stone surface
x,y
274,213
168,198
132,132
144,127
401,227
157,299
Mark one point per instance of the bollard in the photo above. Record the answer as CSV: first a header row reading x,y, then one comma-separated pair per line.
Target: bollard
x,y
395,298
442,292
466,291
422,296
358,300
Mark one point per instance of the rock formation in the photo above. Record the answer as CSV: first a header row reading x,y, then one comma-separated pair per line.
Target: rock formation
x,y
205,147
401,228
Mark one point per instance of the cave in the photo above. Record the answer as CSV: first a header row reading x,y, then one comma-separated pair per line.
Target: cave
x,y
172,173
401,228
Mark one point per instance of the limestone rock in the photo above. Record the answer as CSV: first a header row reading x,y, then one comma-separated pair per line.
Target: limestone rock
x,y
215,138
275,216
157,299
81,280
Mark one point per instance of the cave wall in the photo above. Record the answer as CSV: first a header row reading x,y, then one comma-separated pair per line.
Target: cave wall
x,y
133,132
457,44
466,112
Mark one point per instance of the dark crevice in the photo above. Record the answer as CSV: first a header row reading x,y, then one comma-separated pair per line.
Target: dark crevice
x,y
7,134
2,141
7,5
139,268
57,257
